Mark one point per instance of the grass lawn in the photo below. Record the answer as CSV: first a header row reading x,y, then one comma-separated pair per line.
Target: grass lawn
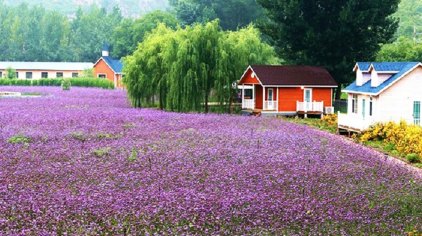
x,y
83,162
329,123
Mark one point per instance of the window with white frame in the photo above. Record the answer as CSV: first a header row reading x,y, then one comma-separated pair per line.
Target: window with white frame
x,y
355,103
28,75
44,75
371,106
102,76
248,94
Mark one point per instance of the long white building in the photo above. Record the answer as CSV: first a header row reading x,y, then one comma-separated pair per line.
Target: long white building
x,y
38,70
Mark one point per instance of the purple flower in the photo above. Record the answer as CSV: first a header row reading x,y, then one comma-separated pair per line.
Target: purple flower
x,y
93,165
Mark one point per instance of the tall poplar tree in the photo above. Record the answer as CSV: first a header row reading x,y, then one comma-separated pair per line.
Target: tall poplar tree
x,y
330,33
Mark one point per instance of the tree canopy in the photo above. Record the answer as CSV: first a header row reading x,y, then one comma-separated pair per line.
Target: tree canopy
x,y
332,33
404,49
233,14
408,46
410,15
130,8
184,69
35,34
129,33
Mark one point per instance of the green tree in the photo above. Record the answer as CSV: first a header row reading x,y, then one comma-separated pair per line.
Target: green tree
x,y
410,15
129,33
183,68
233,14
90,30
10,73
404,49
331,33
30,33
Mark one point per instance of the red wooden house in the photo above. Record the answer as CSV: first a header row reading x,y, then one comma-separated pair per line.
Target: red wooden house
x,y
109,68
287,90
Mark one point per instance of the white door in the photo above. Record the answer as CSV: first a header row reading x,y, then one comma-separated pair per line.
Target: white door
x,y
308,99
271,99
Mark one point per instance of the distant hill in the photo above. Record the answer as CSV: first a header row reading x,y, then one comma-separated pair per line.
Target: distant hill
x,y
410,15
129,8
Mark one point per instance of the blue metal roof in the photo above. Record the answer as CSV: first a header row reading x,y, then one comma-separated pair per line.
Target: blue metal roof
x,y
364,66
402,67
382,66
116,65
390,66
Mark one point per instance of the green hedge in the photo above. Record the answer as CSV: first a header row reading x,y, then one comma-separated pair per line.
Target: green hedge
x,y
77,82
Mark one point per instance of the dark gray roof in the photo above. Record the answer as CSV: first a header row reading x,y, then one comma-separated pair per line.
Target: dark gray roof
x,y
293,75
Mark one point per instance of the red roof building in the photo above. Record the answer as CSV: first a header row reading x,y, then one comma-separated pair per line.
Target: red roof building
x,y
287,90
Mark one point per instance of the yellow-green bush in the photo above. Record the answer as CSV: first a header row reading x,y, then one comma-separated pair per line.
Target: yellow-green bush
x,y
405,138
331,119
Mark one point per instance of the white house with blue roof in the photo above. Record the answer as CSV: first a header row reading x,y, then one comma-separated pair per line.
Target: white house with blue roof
x,y
383,92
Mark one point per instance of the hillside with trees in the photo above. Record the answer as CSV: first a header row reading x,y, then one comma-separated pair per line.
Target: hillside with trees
x,y
233,14
32,33
129,8
76,30
408,46
410,15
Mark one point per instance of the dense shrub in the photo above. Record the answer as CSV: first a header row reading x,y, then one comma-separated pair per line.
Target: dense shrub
x,y
413,158
92,82
77,82
330,119
19,139
66,84
404,137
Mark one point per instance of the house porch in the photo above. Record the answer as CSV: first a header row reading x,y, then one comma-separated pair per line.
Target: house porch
x,y
278,101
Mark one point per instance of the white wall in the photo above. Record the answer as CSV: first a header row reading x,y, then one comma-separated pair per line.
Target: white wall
x,y
37,74
383,77
362,77
396,103
366,77
359,114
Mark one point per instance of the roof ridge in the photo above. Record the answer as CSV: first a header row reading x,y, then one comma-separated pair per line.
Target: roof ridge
x,y
286,65
291,75
367,89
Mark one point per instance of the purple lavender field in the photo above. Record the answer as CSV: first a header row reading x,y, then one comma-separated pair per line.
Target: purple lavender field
x,y
84,162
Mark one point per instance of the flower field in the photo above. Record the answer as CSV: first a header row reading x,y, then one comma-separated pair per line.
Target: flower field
x,y
84,162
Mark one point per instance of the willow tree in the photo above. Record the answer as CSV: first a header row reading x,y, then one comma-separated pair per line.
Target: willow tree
x,y
146,70
188,67
238,50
